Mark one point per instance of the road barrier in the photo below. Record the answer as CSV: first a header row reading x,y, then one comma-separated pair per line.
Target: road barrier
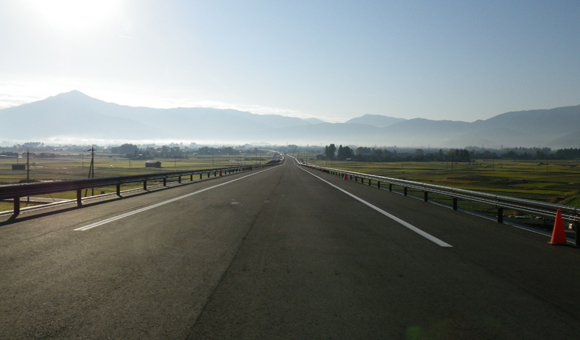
x,y
30,189
536,208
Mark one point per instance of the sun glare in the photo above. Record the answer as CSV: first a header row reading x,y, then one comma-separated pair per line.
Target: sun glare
x,y
75,14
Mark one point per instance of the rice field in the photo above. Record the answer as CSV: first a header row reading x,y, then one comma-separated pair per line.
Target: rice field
x,y
74,166
553,181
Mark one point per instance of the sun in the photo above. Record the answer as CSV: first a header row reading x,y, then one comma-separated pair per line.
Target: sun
x,y
75,14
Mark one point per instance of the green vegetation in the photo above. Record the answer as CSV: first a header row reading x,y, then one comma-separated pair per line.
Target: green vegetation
x,y
556,181
70,166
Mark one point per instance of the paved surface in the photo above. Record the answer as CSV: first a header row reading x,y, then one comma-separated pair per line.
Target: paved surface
x,y
280,254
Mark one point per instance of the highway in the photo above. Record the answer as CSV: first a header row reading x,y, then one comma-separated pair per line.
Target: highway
x,y
280,253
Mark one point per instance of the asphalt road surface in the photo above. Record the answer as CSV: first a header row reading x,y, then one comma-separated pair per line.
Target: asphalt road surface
x,y
280,253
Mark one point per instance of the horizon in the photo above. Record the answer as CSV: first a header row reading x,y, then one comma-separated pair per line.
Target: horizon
x,y
76,118
463,61
265,114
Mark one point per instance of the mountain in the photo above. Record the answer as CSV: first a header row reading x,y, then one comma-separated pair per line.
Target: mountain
x,y
567,141
70,115
375,120
76,116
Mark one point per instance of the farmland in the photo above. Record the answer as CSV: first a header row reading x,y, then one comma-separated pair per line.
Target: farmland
x,y
69,166
553,181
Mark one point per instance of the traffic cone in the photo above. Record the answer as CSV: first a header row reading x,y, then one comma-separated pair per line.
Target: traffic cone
x,y
220,172
558,235
345,178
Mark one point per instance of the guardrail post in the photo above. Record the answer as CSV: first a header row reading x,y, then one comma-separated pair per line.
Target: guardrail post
x,y
378,184
577,231
119,190
405,191
426,196
165,181
390,187
16,206
369,181
454,203
179,179
79,197
499,215
191,178
144,185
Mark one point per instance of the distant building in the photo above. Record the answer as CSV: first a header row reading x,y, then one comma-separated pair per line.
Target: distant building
x,y
153,164
18,166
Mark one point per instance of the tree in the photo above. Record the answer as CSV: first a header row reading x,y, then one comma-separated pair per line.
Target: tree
x,y
330,151
344,153
457,155
129,150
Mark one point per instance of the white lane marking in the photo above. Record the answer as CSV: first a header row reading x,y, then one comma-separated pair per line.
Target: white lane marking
x,y
394,218
100,223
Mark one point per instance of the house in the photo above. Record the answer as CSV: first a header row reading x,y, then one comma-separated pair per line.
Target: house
x,y
153,164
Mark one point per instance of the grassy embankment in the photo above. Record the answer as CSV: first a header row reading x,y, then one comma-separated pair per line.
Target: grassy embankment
x,y
548,181
69,167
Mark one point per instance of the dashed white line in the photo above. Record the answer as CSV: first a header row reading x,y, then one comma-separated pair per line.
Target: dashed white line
x,y
109,220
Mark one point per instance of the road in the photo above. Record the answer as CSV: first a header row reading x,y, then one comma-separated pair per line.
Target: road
x,y
280,253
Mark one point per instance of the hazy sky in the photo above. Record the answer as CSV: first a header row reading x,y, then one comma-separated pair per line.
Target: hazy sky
x,y
335,60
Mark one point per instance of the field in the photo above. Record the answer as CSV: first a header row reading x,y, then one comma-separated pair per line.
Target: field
x,y
553,181
74,166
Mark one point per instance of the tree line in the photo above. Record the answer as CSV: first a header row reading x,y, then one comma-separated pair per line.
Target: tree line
x,y
368,154
134,152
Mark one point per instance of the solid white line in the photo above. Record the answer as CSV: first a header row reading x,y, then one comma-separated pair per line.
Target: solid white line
x,y
394,218
100,223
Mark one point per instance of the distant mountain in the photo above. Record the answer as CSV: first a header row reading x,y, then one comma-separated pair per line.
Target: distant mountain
x,y
567,141
69,115
314,121
375,120
76,116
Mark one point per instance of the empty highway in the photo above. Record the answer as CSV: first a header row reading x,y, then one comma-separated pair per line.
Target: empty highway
x,y
280,253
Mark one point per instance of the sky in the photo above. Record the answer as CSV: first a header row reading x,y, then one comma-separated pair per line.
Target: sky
x,y
333,60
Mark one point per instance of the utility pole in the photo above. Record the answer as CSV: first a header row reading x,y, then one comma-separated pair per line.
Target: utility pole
x,y
27,166
91,169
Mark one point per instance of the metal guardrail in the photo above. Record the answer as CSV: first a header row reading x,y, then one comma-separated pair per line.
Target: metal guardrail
x,y
30,189
535,208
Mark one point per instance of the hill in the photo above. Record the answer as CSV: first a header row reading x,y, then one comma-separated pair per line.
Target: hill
x,y
76,116
375,120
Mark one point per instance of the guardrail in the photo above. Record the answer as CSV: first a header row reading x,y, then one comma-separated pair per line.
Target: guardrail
x,y
535,208
30,189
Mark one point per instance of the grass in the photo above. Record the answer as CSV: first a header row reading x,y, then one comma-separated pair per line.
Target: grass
x,y
74,166
553,181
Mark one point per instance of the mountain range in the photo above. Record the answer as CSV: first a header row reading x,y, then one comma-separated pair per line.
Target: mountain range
x,y
74,116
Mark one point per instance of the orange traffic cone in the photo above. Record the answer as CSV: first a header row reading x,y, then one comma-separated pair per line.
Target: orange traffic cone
x,y
345,176
220,172
558,235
